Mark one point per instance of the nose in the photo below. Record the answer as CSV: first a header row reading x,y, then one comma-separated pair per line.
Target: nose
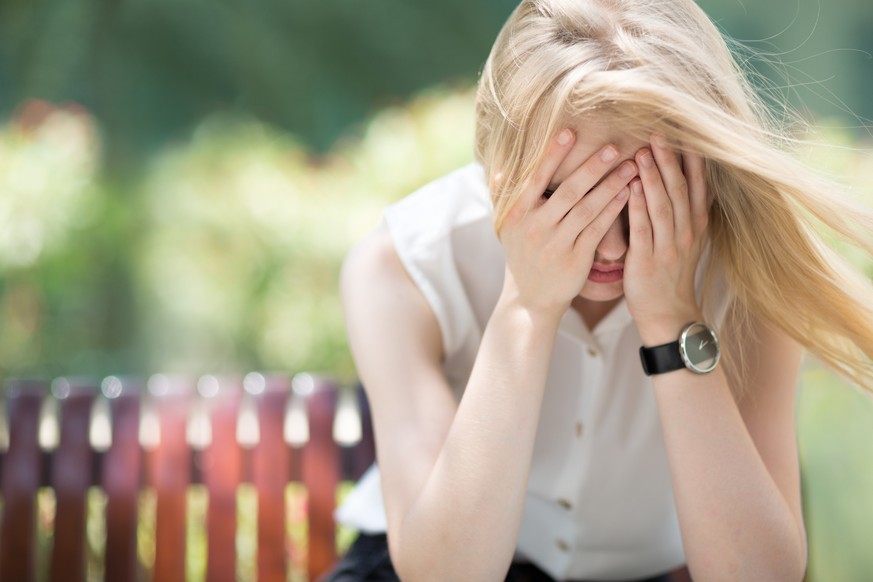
x,y
614,243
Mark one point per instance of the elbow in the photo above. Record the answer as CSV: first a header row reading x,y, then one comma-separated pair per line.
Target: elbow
x,y
776,571
803,561
426,560
416,567
414,563
790,570
400,566
410,564
793,565
785,562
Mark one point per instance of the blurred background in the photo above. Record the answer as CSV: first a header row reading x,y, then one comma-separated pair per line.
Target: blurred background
x,y
179,182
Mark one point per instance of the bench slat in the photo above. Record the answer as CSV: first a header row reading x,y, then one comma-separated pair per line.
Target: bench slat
x,y
222,465
21,472
270,474
170,471
321,476
71,476
121,481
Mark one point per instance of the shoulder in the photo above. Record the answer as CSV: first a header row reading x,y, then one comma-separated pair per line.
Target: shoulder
x,y
380,299
373,256
435,259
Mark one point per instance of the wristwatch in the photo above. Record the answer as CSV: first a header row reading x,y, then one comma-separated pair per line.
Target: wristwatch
x,y
696,349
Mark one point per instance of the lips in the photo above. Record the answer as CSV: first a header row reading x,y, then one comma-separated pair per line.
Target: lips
x,y
606,273
608,268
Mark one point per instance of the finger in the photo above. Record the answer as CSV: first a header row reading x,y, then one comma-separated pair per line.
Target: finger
x,y
675,183
558,148
587,240
695,172
496,181
638,218
658,203
586,210
580,182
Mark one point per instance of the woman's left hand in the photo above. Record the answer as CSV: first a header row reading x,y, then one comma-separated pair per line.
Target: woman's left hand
x,y
667,211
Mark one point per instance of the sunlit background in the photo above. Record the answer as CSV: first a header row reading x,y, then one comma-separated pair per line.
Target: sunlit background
x,y
179,182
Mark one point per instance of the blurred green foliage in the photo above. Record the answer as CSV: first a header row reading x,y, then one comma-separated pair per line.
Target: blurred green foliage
x,y
225,257
835,441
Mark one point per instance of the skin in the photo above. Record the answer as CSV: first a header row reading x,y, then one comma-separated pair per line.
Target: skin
x,y
454,475
595,299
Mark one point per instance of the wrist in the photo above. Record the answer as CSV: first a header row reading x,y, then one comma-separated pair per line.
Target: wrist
x,y
535,318
539,309
666,329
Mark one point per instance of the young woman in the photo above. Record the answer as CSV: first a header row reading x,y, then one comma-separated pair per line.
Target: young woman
x,y
581,352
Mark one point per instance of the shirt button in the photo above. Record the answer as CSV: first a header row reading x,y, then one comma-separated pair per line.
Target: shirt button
x,y
578,430
565,504
592,352
563,546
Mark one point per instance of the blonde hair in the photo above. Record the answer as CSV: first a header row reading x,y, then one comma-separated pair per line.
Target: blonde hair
x,y
661,65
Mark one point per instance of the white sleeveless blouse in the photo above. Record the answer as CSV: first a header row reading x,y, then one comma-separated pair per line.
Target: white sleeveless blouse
x,y
599,502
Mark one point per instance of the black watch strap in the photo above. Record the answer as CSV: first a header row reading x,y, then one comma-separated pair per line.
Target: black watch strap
x,y
661,359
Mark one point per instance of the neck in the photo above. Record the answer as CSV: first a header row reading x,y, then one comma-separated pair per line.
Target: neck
x,y
593,312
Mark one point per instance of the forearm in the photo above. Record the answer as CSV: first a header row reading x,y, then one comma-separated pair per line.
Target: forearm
x,y
464,525
735,523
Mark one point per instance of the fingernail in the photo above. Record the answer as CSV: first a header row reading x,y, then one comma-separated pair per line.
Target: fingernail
x,y
623,194
637,188
609,154
564,137
646,159
627,170
659,140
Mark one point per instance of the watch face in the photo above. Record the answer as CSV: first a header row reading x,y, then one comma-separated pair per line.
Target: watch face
x,y
699,348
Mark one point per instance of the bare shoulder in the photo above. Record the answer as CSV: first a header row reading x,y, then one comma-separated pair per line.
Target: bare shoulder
x,y
381,300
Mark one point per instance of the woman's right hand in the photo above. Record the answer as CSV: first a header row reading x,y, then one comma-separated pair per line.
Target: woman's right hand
x,y
550,242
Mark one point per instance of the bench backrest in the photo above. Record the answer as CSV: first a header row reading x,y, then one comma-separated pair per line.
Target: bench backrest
x,y
166,434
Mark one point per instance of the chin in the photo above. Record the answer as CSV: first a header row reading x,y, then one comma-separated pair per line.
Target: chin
x,y
602,291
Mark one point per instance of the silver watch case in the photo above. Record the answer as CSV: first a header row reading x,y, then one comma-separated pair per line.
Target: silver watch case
x,y
701,357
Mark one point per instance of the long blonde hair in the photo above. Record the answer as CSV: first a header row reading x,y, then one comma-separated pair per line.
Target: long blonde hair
x,y
661,65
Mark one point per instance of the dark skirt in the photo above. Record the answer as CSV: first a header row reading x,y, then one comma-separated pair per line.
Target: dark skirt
x,y
368,561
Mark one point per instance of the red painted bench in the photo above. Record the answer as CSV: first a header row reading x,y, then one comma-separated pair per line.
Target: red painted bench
x,y
166,435
192,434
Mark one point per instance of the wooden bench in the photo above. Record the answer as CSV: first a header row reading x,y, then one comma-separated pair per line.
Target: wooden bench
x,y
167,434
